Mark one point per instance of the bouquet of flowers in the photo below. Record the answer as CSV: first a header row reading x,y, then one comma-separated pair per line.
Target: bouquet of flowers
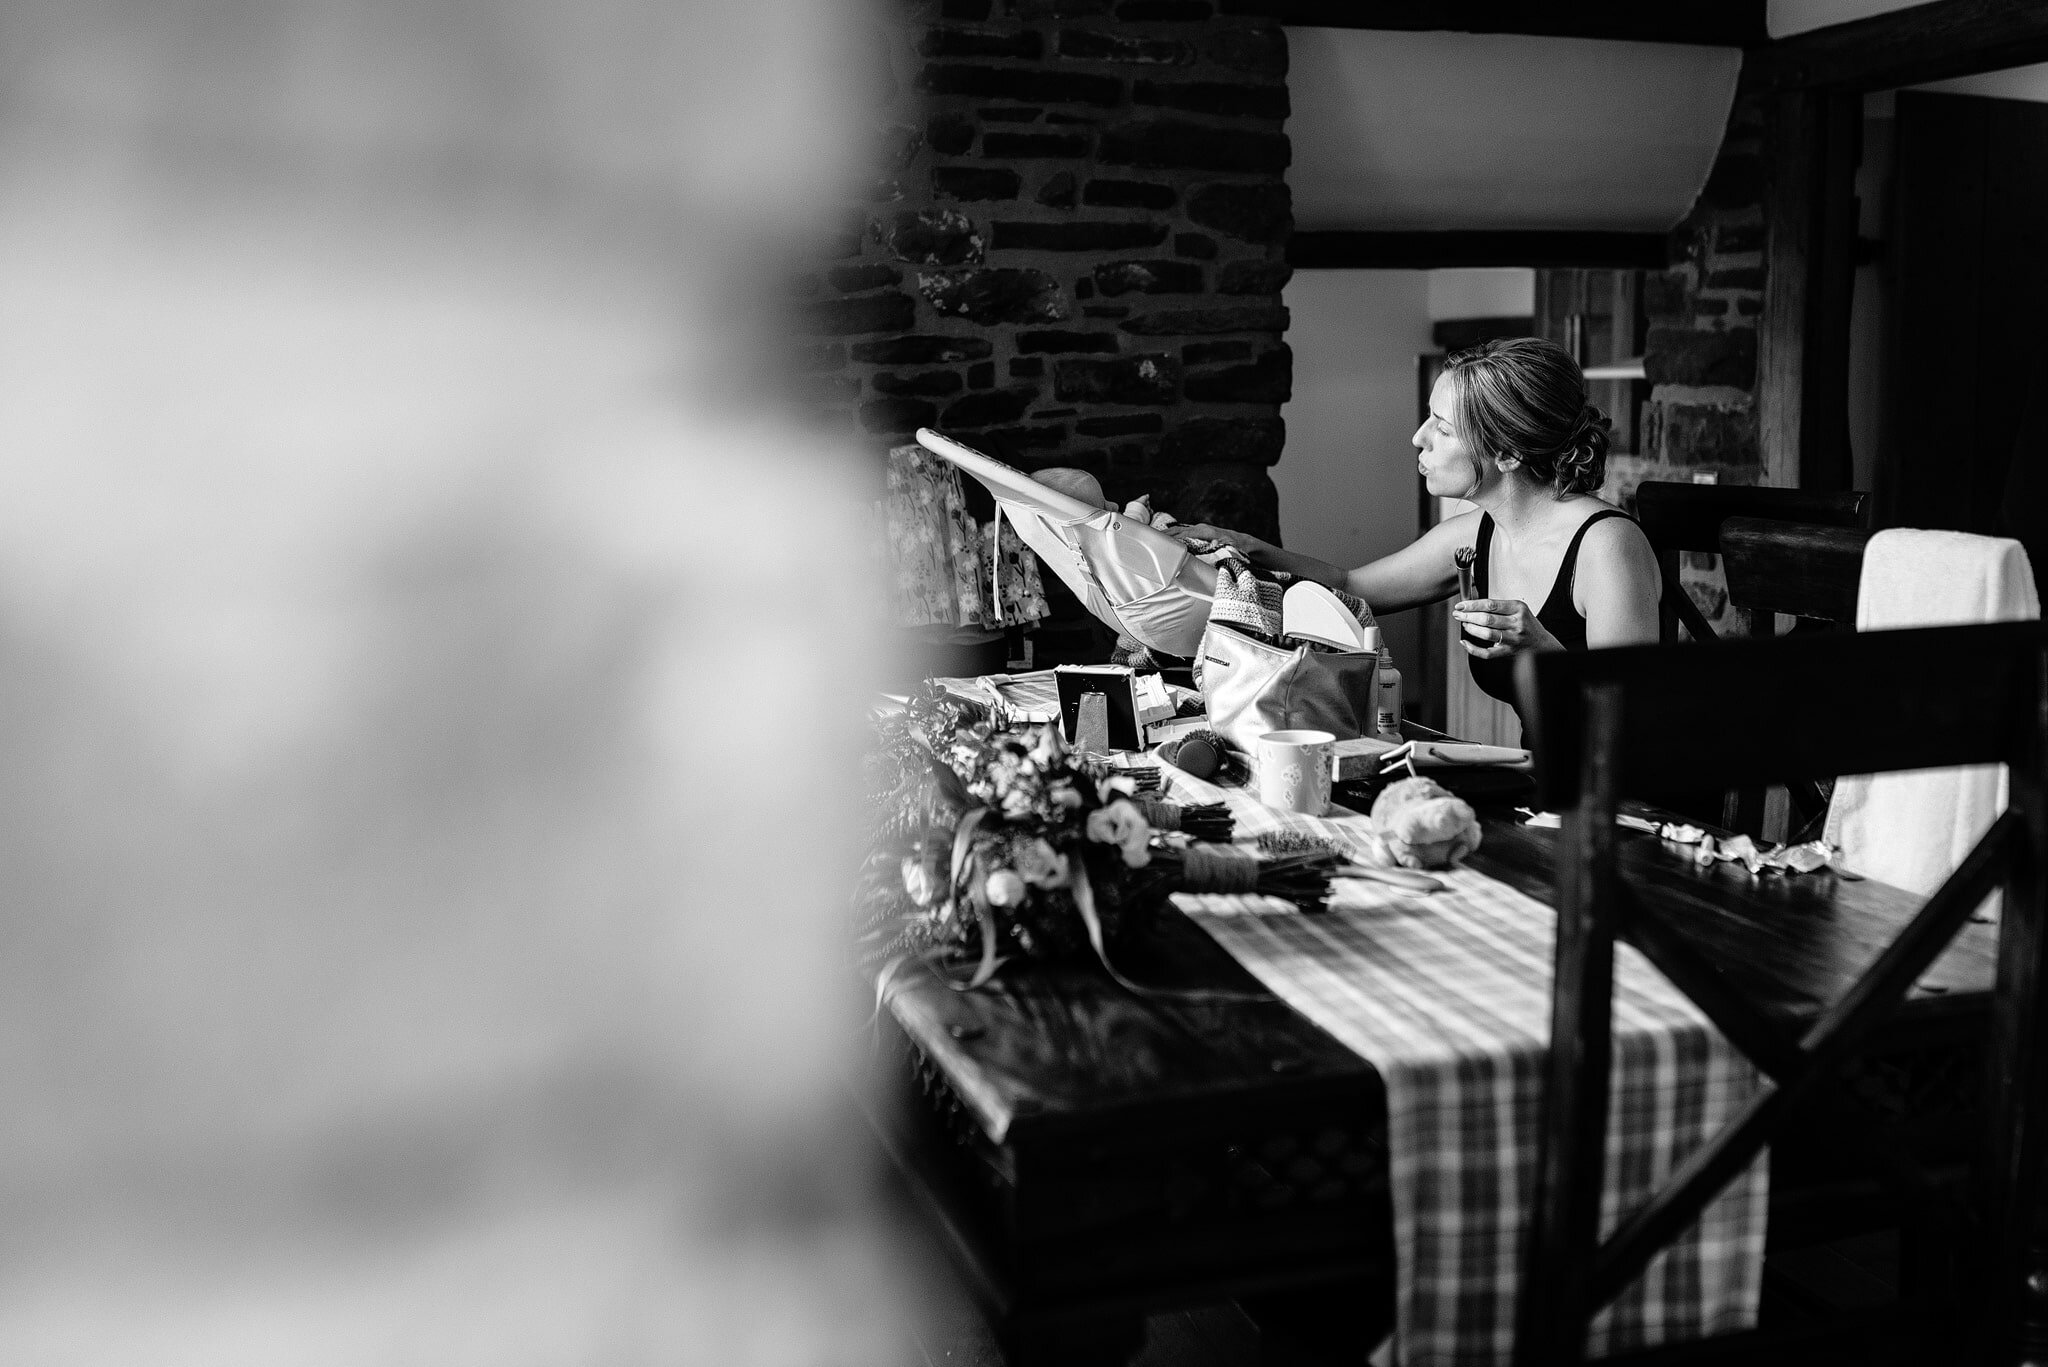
x,y
989,843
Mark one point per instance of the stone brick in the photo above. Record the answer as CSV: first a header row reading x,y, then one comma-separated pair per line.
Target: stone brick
x,y
1128,194
949,134
924,384
1022,84
1699,434
1078,237
1106,311
1232,318
1270,379
991,408
1148,277
1033,146
1010,114
1251,213
1254,277
1027,368
1027,44
1084,289
1166,144
1202,353
975,182
930,237
1749,307
973,11
1695,356
1087,45
994,295
1664,293
1741,278
1214,97
981,375
1034,342
1258,51
897,415
1153,379
818,356
1709,308
1047,414
1194,245
891,312
922,350
1248,441
1163,11
1122,426
852,279
1736,182
1058,193
1009,442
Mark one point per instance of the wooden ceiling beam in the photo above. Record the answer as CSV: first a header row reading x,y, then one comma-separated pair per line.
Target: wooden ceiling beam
x,y
1717,23
1311,251
1931,42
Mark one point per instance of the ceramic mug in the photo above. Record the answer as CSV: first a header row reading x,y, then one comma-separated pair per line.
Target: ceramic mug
x,y
1294,770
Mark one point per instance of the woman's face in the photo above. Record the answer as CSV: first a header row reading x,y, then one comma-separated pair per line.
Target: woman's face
x,y
1450,468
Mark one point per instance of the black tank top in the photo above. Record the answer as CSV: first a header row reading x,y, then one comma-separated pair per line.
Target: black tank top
x,y
1496,677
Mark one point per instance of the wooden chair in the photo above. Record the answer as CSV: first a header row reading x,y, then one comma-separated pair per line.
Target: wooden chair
x,y
1806,570
1688,517
1603,723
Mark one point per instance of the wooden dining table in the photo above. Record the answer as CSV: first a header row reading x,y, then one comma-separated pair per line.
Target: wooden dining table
x,y
1089,1155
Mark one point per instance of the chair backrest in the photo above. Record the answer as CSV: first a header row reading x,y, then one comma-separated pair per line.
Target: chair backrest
x,y
1765,711
1688,517
1602,723
1805,569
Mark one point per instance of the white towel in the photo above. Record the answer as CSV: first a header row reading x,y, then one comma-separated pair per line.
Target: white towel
x,y
1912,829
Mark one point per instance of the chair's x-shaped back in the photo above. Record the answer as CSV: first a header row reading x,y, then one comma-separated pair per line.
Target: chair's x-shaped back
x,y
1607,723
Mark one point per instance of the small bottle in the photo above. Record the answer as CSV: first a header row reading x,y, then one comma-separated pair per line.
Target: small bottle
x,y
1390,697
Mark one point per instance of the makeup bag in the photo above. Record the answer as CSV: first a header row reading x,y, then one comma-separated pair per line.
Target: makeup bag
x,y
1252,688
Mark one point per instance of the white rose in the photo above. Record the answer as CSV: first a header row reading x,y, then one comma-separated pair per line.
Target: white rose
x,y
1004,889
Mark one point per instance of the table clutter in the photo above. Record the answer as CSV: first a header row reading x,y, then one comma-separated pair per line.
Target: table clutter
x,y
996,846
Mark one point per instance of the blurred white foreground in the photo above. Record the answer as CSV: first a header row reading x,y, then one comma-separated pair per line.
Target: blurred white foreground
x,y
429,691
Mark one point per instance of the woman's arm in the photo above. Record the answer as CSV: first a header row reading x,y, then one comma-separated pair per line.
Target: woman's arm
x,y
1423,571
1618,585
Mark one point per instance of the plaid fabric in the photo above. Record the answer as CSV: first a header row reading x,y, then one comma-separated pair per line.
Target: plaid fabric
x,y
1448,997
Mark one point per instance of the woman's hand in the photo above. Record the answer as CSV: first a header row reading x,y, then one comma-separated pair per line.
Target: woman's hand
x,y
1202,531
1503,626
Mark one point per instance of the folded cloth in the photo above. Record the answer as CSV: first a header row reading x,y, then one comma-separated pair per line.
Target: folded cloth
x,y
1913,829
1251,600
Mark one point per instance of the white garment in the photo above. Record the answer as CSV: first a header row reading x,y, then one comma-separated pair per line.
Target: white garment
x,y
1912,829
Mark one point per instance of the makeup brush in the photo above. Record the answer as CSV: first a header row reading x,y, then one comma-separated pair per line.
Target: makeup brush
x,y
1464,557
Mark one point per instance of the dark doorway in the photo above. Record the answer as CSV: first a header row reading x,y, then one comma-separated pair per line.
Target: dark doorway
x,y
1969,350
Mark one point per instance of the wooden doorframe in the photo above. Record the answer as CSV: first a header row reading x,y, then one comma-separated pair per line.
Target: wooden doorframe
x,y
1812,86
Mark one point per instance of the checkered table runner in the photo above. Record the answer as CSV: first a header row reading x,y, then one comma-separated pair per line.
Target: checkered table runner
x,y
1447,995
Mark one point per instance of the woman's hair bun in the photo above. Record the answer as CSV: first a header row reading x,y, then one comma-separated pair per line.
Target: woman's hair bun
x,y
1524,399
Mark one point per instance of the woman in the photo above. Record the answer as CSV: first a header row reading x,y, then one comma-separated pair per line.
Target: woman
x,y
1510,430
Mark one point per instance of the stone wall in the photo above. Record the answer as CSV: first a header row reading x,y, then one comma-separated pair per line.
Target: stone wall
x,y
1700,349
1076,251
